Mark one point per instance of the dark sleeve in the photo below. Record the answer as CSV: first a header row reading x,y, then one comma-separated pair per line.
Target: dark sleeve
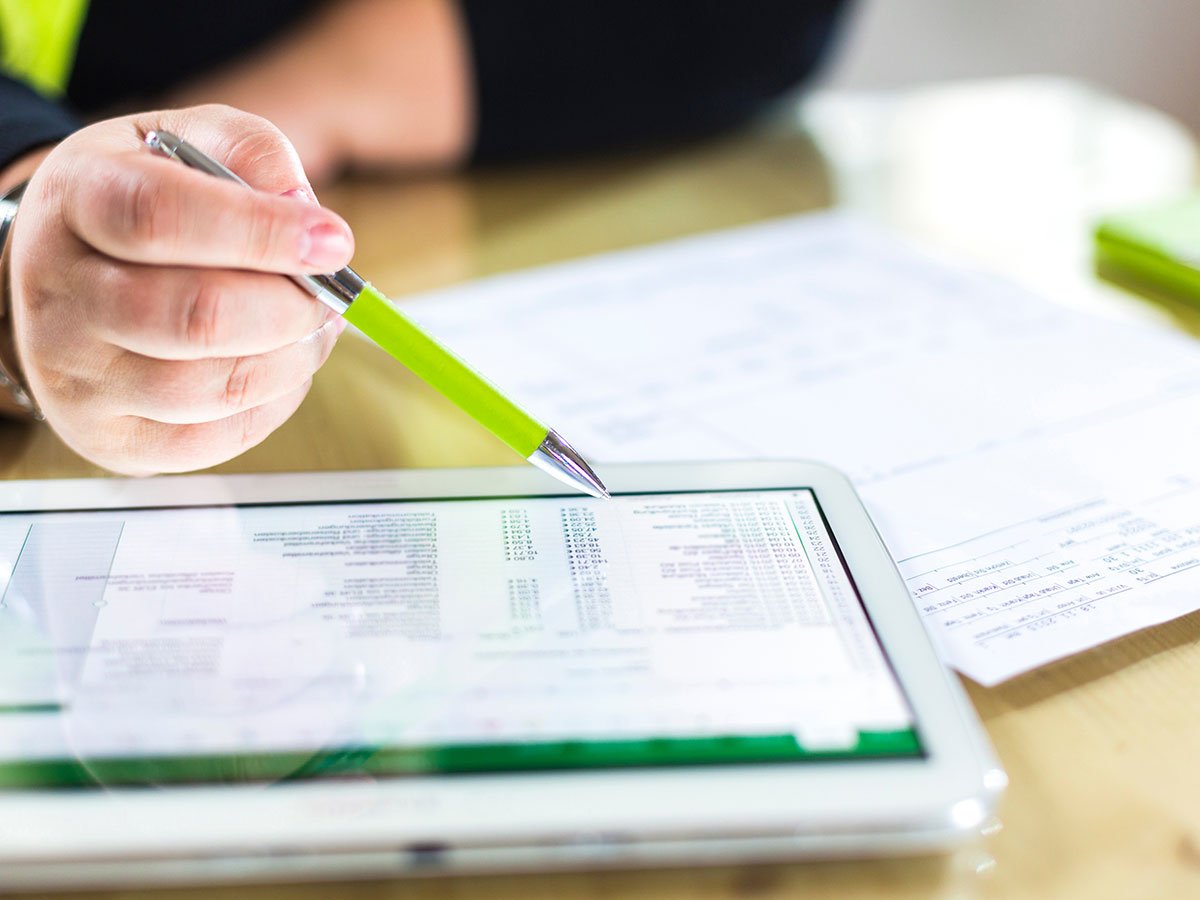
x,y
28,120
559,77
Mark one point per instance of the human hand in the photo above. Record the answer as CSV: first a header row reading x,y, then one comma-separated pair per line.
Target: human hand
x,y
149,315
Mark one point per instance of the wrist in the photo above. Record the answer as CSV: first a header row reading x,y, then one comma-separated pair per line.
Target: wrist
x,y
13,389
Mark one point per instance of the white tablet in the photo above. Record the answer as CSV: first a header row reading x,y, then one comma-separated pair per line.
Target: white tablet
x,y
297,676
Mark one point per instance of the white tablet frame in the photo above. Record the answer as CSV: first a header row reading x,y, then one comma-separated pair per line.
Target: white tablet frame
x,y
574,818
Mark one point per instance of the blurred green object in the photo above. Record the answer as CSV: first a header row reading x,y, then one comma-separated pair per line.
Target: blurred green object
x,y
1156,247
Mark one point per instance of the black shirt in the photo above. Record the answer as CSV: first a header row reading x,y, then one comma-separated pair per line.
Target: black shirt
x,y
551,76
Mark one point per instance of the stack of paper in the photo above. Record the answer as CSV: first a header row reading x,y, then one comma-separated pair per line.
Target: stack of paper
x,y
1035,472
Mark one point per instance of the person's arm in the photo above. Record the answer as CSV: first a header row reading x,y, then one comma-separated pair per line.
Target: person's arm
x,y
29,126
28,121
435,82
553,77
362,82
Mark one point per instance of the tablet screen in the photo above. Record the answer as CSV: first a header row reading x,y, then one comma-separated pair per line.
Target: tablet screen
x,y
401,638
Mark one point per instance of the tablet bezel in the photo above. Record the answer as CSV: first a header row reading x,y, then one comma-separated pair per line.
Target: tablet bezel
x,y
944,796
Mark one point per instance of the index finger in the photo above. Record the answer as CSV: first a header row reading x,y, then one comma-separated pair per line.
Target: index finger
x,y
141,208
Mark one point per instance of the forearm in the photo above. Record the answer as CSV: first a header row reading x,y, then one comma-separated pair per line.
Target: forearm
x,y
364,82
429,82
555,77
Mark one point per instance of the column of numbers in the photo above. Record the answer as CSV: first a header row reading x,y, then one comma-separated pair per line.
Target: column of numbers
x,y
588,568
517,534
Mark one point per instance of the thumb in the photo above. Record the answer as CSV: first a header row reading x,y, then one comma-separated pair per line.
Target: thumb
x,y
246,144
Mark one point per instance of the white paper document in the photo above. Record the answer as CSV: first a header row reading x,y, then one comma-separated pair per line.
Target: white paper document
x,y
1034,471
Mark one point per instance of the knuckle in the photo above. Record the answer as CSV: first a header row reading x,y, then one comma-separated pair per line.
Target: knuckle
x,y
262,145
241,384
143,210
202,324
249,431
255,424
264,234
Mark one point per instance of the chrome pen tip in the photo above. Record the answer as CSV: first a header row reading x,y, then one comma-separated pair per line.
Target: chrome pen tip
x,y
557,458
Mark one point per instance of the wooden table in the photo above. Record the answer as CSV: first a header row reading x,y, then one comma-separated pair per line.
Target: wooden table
x,y
1102,749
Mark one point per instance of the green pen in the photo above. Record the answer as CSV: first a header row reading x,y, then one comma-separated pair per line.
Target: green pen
x,y
360,304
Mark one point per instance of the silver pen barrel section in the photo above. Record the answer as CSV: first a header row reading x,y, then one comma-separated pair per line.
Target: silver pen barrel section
x,y
558,458
337,291
172,147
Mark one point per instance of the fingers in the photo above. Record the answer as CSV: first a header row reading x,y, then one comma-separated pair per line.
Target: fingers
x,y
207,390
147,209
147,447
176,313
148,305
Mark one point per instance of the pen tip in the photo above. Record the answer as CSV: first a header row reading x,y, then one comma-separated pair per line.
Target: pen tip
x,y
556,457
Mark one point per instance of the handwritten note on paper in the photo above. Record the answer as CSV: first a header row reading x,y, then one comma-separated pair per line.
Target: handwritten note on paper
x,y
1030,468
